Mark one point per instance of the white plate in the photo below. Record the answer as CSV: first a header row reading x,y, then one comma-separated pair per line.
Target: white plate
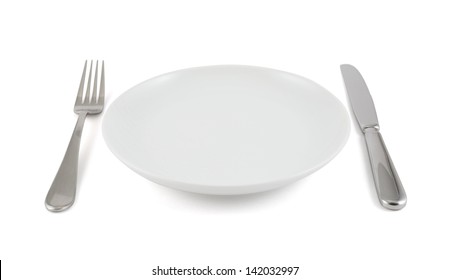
x,y
226,129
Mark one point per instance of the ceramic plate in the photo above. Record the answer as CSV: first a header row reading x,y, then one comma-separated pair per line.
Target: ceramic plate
x,y
226,130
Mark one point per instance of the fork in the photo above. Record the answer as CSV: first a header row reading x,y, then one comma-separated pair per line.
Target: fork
x,y
61,195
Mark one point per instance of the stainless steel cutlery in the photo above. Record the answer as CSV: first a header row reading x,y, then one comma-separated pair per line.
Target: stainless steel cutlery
x,y
388,185
62,191
391,194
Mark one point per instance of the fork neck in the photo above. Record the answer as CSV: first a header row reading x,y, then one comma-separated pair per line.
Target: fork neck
x,y
80,123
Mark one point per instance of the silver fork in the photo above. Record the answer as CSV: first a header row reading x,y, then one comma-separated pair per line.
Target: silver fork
x,y
62,192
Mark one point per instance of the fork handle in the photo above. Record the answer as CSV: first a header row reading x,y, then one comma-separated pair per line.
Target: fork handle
x,y
62,192
388,185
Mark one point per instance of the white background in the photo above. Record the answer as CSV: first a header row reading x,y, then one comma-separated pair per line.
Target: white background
x,y
122,226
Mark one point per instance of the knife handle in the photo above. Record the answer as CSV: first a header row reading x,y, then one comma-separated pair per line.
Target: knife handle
x,y
388,185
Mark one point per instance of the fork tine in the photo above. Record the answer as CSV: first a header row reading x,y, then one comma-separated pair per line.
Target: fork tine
x,y
80,89
94,91
101,98
88,89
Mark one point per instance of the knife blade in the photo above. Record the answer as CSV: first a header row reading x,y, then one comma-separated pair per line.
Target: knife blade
x,y
387,182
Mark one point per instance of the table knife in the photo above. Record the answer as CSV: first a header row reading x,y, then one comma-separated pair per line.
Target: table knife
x,y
387,183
